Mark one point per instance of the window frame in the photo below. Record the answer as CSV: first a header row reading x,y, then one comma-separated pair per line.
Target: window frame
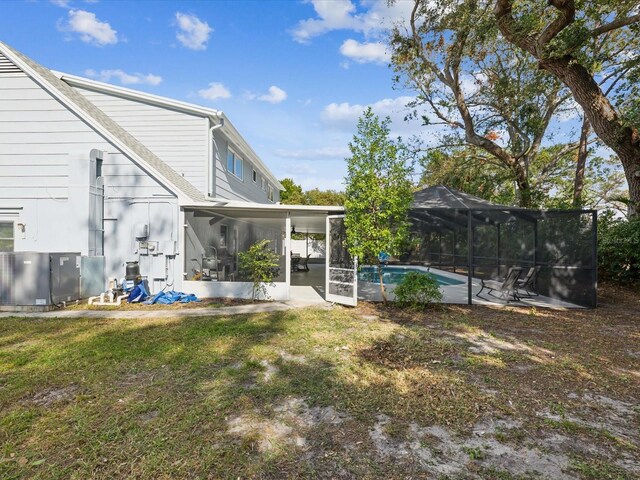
x,y
235,160
12,239
254,175
271,194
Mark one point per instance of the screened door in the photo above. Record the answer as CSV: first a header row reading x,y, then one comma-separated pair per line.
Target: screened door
x,y
341,270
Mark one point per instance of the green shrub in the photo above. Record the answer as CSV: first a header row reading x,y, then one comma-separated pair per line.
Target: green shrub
x,y
417,290
259,264
619,250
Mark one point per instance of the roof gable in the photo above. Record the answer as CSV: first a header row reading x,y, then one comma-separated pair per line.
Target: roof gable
x,y
104,125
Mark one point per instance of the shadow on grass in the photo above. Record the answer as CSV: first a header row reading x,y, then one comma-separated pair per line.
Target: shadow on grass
x,y
246,396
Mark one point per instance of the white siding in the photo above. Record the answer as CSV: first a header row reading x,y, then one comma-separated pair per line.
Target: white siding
x,y
37,135
230,187
179,139
44,178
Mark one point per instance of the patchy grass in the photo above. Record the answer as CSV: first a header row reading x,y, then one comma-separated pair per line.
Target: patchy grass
x,y
372,392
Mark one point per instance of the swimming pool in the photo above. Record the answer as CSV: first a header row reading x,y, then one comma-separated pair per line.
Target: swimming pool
x,y
394,275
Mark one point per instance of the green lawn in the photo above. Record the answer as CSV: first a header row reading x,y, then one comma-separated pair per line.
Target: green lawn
x,y
340,393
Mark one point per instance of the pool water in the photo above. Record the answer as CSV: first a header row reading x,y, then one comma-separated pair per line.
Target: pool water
x,y
394,275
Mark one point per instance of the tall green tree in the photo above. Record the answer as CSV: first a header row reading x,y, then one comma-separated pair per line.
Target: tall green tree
x,y
292,193
553,175
484,93
378,193
316,196
591,46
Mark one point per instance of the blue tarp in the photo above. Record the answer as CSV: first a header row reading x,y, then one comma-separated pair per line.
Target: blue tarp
x,y
167,298
138,294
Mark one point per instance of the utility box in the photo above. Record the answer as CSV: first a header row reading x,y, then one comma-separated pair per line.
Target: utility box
x,y
34,279
93,280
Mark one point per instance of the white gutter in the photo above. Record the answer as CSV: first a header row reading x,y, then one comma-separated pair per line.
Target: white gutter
x,y
210,163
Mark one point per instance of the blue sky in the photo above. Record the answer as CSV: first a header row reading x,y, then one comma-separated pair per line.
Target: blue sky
x,y
293,76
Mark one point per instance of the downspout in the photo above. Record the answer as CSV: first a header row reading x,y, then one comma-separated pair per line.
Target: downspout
x,y
210,167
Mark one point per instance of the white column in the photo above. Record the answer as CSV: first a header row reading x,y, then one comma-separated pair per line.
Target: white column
x,y
287,251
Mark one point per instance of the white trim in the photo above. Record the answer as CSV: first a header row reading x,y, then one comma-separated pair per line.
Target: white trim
x,y
157,100
329,297
287,250
274,207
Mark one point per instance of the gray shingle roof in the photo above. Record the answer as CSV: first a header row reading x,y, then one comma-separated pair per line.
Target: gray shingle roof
x,y
439,196
106,125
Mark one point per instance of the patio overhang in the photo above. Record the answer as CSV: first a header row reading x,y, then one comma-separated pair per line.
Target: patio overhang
x,y
305,218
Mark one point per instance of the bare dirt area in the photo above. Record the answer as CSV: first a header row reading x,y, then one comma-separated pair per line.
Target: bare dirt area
x,y
562,389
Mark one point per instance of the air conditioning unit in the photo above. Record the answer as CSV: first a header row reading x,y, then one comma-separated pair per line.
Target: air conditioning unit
x,y
34,279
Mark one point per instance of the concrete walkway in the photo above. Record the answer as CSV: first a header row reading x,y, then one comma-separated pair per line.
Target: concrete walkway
x,y
186,312
301,297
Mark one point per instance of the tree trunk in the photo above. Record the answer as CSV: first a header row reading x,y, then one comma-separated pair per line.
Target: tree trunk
x,y
524,187
623,140
581,163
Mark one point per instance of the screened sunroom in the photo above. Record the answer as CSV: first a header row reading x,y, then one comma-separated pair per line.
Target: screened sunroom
x,y
483,253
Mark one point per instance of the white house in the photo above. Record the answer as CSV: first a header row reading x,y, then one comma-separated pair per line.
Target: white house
x,y
128,176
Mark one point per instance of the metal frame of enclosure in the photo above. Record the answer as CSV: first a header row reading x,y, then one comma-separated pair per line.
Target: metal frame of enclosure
x,y
561,243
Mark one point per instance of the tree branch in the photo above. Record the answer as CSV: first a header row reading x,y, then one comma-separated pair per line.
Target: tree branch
x,y
503,12
567,14
617,23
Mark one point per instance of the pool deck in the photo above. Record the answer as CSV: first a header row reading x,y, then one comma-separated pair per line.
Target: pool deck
x,y
458,294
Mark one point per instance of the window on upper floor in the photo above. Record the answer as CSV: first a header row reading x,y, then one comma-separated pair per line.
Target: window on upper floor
x,y
271,193
6,237
264,184
255,177
234,164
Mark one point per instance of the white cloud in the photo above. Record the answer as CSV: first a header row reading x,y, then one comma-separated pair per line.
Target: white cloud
x,y
193,33
344,116
90,29
342,14
215,91
61,3
332,15
125,78
275,95
366,52
346,112
299,168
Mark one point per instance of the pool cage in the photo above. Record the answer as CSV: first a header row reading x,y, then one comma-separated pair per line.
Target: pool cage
x,y
559,244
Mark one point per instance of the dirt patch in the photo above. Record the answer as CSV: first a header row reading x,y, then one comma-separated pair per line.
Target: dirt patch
x,y
51,396
269,370
440,452
286,424
150,415
297,410
288,357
